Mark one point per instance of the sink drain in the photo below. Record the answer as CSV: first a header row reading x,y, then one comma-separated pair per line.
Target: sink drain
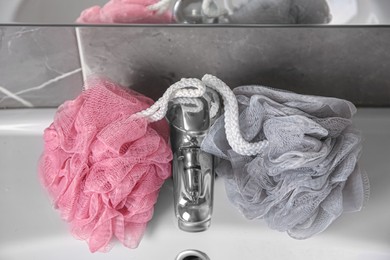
x,y
192,255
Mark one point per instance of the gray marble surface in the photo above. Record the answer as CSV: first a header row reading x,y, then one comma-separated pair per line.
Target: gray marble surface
x,y
39,66
345,62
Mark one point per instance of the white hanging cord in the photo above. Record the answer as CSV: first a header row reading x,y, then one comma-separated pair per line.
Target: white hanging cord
x,y
187,89
233,134
161,6
195,105
212,98
190,105
209,8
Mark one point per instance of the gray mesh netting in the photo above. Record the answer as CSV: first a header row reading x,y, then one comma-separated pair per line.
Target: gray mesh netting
x,y
308,173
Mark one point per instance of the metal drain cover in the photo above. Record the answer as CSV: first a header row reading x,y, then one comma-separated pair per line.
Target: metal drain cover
x,y
192,254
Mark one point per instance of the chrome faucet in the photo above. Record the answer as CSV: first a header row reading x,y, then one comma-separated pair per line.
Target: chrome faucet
x,y
193,169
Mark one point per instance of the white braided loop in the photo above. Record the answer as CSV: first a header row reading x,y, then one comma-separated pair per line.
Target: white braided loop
x,y
185,88
212,98
209,8
193,105
186,91
161,6
233,134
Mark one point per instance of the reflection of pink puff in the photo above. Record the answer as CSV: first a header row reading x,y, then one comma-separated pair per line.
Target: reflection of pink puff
x,y
103,168
124,11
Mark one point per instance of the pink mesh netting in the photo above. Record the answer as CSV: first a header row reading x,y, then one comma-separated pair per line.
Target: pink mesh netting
x,y
124,11
104,169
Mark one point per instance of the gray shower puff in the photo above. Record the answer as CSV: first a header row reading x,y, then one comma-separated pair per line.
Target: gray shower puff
x,y
307,175
280,12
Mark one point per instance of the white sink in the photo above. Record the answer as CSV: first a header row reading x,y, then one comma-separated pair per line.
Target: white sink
x,y
32,229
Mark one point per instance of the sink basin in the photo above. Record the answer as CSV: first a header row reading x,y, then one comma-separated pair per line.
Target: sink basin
x,y
32,229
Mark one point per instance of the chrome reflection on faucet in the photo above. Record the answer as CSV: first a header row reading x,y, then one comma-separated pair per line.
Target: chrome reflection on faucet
x,y
193,169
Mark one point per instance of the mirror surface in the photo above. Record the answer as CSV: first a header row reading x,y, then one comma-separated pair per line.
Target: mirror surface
x,y
335,12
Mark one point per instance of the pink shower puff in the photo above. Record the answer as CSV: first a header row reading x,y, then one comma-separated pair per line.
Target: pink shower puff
x,y
104,169
124,11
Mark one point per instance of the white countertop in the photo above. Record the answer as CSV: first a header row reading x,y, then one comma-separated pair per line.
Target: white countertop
x,y
32,229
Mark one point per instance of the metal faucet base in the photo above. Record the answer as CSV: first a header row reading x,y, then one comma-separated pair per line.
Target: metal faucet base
x,y
194,227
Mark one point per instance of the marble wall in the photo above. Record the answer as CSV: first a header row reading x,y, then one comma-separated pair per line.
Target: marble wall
x,y
39,66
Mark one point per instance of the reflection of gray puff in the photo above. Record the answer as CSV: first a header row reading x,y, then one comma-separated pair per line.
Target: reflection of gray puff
x,y
282,12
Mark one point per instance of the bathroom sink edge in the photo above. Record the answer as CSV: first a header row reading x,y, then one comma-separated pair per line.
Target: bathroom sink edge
x,y
43,235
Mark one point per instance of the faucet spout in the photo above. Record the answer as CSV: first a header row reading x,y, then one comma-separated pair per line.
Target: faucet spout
x,y
193,169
